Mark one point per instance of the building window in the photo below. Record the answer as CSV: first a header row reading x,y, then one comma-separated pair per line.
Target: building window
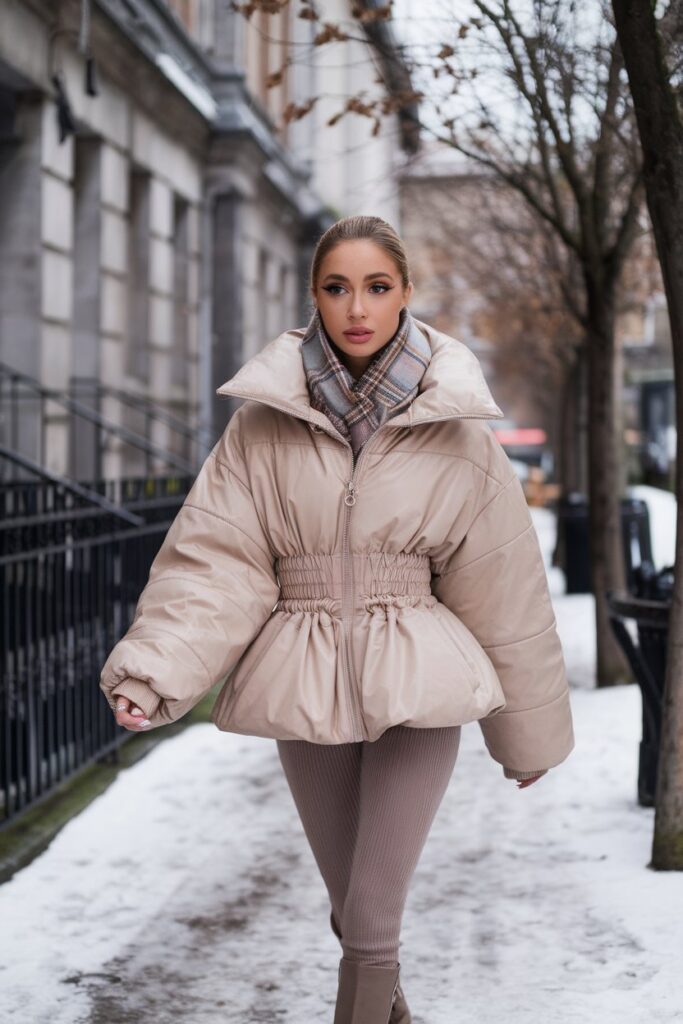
x,y
84,453
265,298
267,47
286,310
181,308
137,355
20,266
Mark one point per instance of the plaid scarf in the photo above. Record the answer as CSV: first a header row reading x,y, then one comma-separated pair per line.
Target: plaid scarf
x,y
388,384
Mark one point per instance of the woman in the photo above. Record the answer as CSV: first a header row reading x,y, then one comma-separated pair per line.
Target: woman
x,y
357,556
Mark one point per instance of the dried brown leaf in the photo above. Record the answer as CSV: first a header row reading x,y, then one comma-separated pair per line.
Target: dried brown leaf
x,y
275,77
307,13
330,33
368,15
295,111
265,6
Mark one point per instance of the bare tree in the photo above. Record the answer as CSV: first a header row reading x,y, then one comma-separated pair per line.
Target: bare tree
x,y
468,221
559,129
533,297
653,52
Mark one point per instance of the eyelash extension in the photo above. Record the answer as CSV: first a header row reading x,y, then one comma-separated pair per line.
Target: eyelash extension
x,y
377,284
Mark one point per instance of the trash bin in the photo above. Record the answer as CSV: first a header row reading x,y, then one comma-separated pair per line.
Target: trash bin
x,y
647,658
572,526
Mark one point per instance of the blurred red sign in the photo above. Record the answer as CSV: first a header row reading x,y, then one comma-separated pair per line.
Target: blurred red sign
x,y
521,435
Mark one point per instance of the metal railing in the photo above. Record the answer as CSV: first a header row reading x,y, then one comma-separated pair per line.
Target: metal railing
x,y
71,570
70,486
198,439
24,403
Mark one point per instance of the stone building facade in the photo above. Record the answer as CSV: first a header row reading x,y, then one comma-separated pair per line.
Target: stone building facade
x,y
157,215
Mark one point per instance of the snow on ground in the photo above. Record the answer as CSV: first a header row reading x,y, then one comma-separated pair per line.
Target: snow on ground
x,y
187,892
575,613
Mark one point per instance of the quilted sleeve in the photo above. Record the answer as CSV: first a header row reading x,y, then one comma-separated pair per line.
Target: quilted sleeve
x,y
210,590
493,578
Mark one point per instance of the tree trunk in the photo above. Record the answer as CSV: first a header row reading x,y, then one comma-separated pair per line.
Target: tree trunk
x,y
604,452
582,428
667,848
619,373
566,431
661,133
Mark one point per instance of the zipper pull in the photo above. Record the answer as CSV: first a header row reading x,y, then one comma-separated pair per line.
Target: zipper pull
x,y
350,496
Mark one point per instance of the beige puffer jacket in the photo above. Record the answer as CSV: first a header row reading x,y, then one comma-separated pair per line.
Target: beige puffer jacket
x,y
338,600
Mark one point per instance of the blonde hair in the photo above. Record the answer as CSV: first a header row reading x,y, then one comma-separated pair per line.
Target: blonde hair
x,y
351,228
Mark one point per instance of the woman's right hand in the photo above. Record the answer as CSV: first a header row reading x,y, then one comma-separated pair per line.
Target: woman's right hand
x,y
129,715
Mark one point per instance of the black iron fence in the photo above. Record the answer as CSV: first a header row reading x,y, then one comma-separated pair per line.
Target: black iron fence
x,y
71,571
640,622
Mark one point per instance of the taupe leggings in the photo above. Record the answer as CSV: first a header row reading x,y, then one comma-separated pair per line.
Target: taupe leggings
x,y
366,809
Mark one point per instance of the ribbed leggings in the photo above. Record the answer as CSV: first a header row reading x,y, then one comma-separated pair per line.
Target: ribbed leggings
x,y
367,809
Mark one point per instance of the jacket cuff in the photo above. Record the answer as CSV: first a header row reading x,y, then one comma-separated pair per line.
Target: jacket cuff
x,y
510,773
538,735
137,692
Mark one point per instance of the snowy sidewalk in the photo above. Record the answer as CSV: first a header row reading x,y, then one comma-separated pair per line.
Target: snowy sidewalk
x,y
187,892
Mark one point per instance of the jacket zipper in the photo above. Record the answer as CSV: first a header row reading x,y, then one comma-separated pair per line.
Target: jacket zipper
x,y
348,592
353,694
348,609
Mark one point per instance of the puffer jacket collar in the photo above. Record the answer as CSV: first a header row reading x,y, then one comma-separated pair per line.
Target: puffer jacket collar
x,y
453,384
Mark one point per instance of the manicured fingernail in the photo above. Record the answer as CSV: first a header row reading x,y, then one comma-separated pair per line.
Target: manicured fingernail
x,y
145,721
137,711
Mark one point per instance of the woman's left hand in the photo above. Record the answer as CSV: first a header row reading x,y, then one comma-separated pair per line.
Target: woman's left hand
x,y
129,715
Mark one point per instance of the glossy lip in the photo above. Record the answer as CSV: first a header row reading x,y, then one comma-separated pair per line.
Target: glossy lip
x,y
357,335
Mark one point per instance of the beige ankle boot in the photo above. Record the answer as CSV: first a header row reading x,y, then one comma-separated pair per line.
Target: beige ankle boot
x,y
400,1014
365,993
